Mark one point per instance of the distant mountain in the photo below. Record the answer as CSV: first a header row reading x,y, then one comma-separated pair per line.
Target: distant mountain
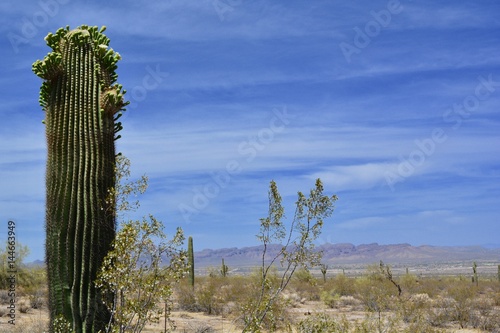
x,y
346,253
36,263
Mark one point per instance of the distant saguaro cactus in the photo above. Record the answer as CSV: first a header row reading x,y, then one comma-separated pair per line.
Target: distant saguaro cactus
x,y
324,269
82,103
474,272
224,269
191,261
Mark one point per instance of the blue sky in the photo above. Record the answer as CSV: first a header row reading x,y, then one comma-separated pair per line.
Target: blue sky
x,y
395,105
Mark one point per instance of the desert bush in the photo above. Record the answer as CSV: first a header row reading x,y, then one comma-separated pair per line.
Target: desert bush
x,y
376,323
432,286
185,297
349,301
484,315
375,294
3,311
23,306
297,251
4,297
414,308
440,313
38,299
320,323
343,285
203,328
277,316
304,276
330,298
462,306
305,285
409,283
420,327
209,296
496,298
134,274
29,326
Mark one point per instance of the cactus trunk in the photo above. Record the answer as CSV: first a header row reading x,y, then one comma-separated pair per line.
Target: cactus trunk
x,y
191,261
81,106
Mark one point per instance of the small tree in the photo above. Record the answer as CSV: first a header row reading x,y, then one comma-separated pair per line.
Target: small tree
x,y
133,271
297,250
11,261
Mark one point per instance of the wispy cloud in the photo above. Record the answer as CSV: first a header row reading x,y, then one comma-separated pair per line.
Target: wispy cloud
x,y
221,78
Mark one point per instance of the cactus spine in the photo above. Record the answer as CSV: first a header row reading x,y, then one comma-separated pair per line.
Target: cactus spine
x,y
191,261
82,103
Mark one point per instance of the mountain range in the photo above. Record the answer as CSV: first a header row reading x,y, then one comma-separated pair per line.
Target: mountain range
x,y
346,253
349,254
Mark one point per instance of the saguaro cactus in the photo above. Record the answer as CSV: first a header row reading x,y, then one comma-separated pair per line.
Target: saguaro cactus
x,y
223,269
82,103
191,261
474,272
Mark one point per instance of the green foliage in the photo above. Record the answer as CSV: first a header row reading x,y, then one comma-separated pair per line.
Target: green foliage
x,y
133,272
210,296
321,323
23,275
82,103
297,249
330,298
376,289
461,303
304,276
119,197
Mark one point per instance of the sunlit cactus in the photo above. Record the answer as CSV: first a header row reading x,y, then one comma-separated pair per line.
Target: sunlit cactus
x,y
82,103
191,261
223,269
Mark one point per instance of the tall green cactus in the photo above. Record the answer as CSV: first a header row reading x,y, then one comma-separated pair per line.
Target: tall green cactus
x,y
474,272
82,103
191,261
223,269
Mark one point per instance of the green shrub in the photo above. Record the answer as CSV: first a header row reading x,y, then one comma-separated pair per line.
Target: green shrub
x,y
330,298
320,323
